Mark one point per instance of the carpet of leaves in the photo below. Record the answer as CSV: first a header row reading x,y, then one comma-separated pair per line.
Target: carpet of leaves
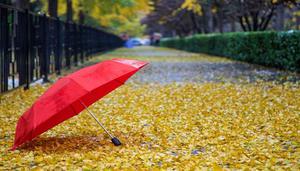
x,y
190,125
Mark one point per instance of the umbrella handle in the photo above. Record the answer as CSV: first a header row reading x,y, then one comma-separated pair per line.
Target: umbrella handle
x,y
114,140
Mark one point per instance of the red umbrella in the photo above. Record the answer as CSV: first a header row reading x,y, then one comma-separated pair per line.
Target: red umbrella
x,y
72,94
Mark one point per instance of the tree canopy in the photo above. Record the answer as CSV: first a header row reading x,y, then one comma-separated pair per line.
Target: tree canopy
x,y
174,17
184,17
117,16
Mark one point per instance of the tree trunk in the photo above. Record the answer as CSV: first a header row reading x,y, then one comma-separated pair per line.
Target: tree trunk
x,y
69,11
196,27
232,25
207,18
220,21
279,22
268,19
254,16
242,23
210,21
248,22
81,17
298,23
52,8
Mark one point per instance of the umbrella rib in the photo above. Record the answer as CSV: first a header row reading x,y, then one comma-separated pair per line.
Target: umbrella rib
x,y
96,119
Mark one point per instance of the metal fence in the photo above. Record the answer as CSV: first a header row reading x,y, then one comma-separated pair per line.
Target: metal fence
x,y
33,46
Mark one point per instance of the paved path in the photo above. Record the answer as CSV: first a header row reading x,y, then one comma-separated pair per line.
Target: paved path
x,y
168,65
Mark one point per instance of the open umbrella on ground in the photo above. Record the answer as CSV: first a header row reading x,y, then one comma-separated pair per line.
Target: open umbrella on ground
x,y
72,94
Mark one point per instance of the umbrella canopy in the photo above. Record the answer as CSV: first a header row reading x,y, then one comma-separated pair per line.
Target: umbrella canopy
x,y
72,94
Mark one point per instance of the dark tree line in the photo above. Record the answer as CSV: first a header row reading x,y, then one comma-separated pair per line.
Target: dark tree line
x,y
169,18
255,15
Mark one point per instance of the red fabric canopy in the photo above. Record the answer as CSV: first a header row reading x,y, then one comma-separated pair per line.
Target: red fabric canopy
x,y
64,98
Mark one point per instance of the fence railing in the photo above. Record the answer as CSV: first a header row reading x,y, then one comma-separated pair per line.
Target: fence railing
x,y
33,46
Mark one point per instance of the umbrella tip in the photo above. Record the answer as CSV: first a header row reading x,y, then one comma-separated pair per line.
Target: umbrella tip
x,y
13,148
116,141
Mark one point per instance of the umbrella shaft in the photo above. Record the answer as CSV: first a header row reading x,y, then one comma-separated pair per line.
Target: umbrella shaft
x,y
96,119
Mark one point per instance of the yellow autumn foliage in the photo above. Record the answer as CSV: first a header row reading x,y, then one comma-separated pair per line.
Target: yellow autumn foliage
x,y
114,15
192,5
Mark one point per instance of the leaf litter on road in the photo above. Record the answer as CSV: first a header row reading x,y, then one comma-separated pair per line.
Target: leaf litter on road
x,y
184,126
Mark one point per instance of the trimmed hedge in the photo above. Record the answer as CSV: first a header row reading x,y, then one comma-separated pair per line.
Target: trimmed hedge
x,y
274,49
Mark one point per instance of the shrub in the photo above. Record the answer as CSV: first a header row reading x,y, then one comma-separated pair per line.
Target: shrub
x,y
274,49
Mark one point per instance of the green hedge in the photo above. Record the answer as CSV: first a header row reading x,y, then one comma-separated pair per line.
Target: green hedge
x,y
274,49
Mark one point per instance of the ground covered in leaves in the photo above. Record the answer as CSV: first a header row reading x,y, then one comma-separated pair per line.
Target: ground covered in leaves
x,y
185,111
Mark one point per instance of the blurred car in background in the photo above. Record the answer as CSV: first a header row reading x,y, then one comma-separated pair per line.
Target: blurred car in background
x,y
136,41
145,42
130,43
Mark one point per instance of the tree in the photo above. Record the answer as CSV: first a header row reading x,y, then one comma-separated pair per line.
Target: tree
x,y
81,16
52,8
219,6
207,16
180,17
186,17
255,15
69,11
172,17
